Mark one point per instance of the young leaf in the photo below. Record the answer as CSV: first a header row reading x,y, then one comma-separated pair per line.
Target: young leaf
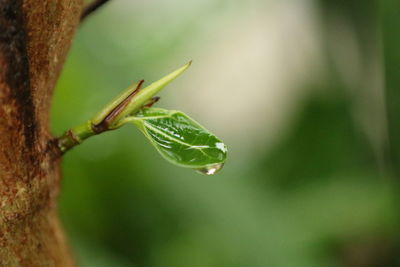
x,y
181,140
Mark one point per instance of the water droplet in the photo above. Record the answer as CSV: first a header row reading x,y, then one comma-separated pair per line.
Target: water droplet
x,y
210,170
221,146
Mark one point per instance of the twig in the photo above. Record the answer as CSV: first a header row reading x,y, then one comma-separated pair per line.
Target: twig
x,y
90,8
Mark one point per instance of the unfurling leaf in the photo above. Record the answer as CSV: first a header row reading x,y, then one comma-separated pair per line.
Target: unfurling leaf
x,y
181,140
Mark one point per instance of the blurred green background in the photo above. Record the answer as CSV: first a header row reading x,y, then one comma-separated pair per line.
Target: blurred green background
x,y
303,93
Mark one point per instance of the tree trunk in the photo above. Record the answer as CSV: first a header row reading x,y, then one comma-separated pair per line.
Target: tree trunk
x,y
35,36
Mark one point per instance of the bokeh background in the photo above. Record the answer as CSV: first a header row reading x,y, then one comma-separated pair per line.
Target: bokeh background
x,y
303,93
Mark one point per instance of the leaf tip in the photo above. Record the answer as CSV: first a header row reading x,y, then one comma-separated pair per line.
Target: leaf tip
x,y
186,66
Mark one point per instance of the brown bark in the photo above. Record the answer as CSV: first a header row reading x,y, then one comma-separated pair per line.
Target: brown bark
x,y
35,36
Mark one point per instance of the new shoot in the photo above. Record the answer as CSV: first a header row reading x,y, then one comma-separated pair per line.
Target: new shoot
x,y
178,138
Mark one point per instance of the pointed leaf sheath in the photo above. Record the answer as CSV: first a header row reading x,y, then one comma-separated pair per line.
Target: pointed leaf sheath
x,y
181,140
114,114
143,96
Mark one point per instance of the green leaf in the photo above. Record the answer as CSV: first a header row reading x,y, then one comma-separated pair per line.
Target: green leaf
x,y
181,140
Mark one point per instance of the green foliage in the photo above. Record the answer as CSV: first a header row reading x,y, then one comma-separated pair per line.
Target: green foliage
x,y
181,140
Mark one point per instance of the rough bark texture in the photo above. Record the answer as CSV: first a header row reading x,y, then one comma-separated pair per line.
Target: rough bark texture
x,y
35,36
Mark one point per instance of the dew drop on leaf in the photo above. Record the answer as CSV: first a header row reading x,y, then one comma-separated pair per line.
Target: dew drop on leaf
x,y
210,170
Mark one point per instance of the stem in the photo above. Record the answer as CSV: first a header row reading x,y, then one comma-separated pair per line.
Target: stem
x,y
75,136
